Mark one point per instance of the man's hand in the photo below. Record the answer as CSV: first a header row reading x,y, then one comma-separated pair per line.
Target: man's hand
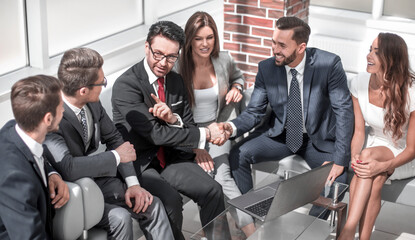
x,y
57,185
161,111
141,197
228,129
336,171
234,95
217,134
126,152
204,160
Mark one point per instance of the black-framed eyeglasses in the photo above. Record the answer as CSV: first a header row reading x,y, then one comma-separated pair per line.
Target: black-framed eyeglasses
x,y
104,84
159,56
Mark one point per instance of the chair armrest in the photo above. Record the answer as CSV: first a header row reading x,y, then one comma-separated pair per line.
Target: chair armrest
x,y
68,222
93,202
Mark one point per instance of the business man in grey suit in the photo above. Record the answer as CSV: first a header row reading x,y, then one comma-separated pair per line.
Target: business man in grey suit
x,y
151,110
29,186
312,113
74,147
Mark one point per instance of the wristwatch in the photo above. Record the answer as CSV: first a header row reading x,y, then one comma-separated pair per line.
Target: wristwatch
x,y
239,87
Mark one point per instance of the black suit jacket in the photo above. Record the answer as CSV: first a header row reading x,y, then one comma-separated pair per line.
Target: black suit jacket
x,y
328,108
130,102
73,160
25,208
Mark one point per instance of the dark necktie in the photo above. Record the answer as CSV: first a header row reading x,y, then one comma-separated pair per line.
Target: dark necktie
x,y
294,123
84,125
162,96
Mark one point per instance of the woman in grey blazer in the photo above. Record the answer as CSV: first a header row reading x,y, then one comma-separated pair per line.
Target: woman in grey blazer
x,y
214,87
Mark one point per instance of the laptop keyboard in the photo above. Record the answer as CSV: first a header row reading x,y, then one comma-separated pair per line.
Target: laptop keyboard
x,y
261,208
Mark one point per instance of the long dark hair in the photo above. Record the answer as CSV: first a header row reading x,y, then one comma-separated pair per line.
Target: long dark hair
x,y
398,77
187,64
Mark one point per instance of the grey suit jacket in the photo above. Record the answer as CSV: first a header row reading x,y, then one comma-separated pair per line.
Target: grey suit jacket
x,y
327,111
130,103
25,209
73,160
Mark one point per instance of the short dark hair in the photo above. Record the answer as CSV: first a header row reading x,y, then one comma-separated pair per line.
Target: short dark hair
x,y
301,29
79,68
167,29
32,98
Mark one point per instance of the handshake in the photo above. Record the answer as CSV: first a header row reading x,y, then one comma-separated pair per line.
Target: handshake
x,y
218,133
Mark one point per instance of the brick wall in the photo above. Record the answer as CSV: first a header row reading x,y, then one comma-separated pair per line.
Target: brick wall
x,y
248,28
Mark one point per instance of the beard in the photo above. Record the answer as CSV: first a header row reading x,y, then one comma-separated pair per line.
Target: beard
x,y
286,60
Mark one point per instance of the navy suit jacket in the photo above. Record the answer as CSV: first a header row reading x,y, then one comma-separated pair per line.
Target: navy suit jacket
x,y
327,111
25,208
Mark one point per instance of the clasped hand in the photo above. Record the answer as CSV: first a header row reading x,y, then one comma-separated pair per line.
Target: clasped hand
x,y
367,168
219,133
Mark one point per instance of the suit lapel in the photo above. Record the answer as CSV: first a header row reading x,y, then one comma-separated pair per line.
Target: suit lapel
x,y
70,116
281,84
95,130
307,80
147,89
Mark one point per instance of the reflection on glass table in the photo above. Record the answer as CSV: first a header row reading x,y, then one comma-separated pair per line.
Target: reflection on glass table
x,y
292,225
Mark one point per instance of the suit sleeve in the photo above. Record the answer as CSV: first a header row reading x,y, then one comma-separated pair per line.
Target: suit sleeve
x,y
256,108
75,167
113,139
129,99
342,106
18,205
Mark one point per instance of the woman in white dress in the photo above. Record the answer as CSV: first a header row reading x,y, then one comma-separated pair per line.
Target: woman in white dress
x,y
214,87
384,100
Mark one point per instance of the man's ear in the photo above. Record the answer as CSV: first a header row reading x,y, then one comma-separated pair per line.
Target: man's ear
x,y
83,91
48,119
302,47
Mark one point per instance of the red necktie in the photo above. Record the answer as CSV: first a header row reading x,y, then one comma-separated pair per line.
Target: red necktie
x,y
162,96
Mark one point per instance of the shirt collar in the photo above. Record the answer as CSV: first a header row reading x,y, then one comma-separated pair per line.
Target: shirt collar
x,y
151,77
34,147
76,110
299,67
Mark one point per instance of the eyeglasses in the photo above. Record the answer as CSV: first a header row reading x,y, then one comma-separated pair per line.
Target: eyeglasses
x,y
104,84
159,56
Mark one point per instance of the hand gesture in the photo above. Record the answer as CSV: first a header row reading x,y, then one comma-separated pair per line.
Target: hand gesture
x,y
161,111
234,95
204,160
57,185
141,197
368,168
126,152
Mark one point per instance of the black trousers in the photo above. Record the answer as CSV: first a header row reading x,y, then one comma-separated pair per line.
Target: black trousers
x,y
188,179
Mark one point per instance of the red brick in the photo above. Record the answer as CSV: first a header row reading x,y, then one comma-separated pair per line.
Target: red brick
x,y
262,32
258,21
246,39
226,36
256,50
239,57
275,13
230,8
232,18
255,59
274,4
268,42
297,8
245,2
247,67
261,12
232,46
293,2
230,27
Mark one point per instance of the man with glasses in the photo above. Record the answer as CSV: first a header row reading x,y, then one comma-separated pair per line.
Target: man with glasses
x,y
75,148
151,110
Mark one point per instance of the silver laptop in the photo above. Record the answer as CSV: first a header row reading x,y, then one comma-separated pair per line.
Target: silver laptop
x,y
281,197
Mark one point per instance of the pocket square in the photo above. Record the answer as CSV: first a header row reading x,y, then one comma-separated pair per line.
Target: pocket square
x,y
175,104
